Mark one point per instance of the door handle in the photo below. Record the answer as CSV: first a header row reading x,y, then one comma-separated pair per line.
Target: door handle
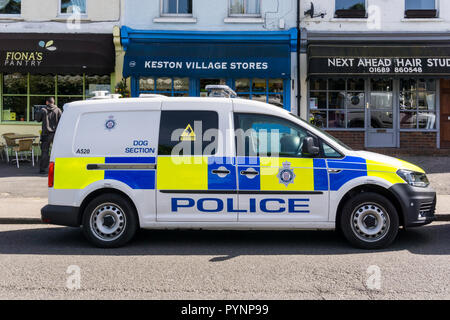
x,y
334,170
249,173
218,171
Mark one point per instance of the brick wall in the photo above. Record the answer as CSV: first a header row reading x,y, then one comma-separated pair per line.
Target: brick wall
x,y
354,139
411,143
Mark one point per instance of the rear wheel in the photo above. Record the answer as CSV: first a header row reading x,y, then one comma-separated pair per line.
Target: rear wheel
x,y
109,221
369,221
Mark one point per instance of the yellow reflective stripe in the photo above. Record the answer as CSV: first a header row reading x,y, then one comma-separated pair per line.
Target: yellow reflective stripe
x,y
182,173
72,173
303,170
410,166
391,177
383,171
380,166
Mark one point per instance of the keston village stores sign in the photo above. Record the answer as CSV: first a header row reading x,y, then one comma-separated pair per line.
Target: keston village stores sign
x,y
208,60
379,60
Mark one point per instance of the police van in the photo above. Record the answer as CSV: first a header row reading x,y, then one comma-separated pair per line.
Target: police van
x,y
154,162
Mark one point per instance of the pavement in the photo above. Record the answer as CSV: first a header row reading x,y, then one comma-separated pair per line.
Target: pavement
x,y
47,262
23,192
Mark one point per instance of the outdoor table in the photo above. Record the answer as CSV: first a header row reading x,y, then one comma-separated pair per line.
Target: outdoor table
x,y
22,136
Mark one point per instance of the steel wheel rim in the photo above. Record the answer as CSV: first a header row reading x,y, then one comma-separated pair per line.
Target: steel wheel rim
x,y
370,222
108,222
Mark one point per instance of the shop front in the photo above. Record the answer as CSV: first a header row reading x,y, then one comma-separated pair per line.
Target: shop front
x,y
35,66
379,95
257,65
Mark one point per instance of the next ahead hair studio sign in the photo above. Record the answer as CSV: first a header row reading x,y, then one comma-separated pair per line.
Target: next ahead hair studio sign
x,y
397,61
364,65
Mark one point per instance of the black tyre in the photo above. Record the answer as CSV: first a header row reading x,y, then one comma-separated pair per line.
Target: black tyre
x,y
109,221
369,221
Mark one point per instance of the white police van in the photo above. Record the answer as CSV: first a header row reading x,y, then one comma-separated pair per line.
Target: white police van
x,y
221,163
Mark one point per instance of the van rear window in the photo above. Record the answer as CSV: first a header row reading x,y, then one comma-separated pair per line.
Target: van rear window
x,y
188,133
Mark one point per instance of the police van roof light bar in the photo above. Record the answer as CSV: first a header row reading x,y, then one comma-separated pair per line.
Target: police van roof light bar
x,y
219,90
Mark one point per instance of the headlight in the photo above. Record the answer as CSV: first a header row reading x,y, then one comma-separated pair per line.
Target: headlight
x,y
415,179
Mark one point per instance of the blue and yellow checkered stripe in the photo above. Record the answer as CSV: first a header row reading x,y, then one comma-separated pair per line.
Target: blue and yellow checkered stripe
x,y
72,173
196,173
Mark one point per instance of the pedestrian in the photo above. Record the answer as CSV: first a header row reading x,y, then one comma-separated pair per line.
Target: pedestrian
x,y
49,116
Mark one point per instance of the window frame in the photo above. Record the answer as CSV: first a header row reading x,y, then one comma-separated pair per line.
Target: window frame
x,y
244,15
416,12
327,91
65,14
336,16
417,110
172,90
12,15
162,14
266,92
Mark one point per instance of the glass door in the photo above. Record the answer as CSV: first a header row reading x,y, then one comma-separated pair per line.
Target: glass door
x,y
380,122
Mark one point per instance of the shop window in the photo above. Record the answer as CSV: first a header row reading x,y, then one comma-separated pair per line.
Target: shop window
x,y
337,103
42,84
420,9
73,7
206,82
15,83
245,8
70,85
172,87
176,7
22,94
97,83
264,90
10,6
418,104
350,9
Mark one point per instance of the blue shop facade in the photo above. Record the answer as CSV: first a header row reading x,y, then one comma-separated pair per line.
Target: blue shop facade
x,y
258,65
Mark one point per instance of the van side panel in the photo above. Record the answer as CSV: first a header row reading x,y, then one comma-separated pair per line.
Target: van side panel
x,y
108,149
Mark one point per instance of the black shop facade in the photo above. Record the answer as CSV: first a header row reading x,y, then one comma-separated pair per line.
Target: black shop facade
x,y
381,91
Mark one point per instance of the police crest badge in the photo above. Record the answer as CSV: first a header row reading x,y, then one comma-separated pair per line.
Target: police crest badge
x,y
286,175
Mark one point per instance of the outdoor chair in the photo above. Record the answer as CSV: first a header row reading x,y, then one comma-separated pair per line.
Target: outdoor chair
x,y
25,147
2,149
10,143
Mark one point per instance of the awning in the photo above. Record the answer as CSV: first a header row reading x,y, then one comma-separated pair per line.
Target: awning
x,y
375,59
208,54
49,53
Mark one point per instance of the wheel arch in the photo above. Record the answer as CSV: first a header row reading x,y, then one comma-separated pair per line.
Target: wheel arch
x,y
370,188
99,192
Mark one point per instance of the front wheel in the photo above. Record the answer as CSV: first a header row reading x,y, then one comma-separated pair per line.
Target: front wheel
x,y
109,221
369,221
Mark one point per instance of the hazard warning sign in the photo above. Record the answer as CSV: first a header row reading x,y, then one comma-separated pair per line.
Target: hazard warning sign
x,y
188,134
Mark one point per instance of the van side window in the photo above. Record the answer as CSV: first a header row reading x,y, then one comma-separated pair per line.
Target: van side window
x,y
188,133
264,135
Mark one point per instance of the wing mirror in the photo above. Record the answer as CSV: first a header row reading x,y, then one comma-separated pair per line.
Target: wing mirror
x,y
309,148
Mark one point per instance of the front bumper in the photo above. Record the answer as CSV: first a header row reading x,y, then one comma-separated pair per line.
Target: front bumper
x,y
61,215
418,204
